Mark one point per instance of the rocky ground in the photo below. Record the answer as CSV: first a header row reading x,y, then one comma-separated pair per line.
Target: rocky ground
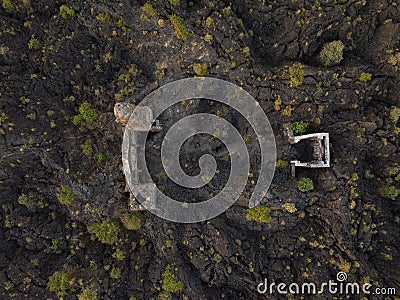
x,y
63,65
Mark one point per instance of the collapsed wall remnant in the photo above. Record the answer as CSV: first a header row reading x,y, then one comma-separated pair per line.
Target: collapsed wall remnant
x,y
313,149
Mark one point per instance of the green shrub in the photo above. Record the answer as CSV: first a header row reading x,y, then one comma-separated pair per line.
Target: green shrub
x,y
305,184
87,150
65,196
131,220
200,69
87,294
364,77
7,4
180,29
33,43
259,214
296,73
27,200
169,282
299,127
66,12
394,114
105,232
59,283
115,273
149,9
390,191
87,114
331,54
164,296
174,2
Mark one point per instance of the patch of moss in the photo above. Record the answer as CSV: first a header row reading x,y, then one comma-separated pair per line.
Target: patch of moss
x,y
66,11
87,294
305,184
299,127
87,114
296,73
65,196
331,54
59,283
149,9
169,282
259,214
131,220
200,69
390,192
106,232
33,43
394,114
87,150
364,77
180,29
7,4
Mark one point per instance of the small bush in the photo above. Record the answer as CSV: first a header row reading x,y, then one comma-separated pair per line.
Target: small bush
x,y
175,2
390,192
200,69
394,114
66,196
105,232
305,184
33,43
169,282
87,150
364,77
289,207
59,283
27,200
331,54
259,214
87,114
66,12
296,73
299,127
180,29
7,4
87,294
131,220
149,9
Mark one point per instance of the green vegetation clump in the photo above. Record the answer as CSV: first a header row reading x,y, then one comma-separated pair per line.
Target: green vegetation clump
x,y
87,294
66,11
299,127
331,54
394,114
296,73
305,184
289,207
281,163
66,196
26,199
131,220
390,191
87,114
87,150
149,9
364,77
106,232
174,2
3,117
59,283
7,4
33,43
181,31
259,214
169,282
200,69
164,296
